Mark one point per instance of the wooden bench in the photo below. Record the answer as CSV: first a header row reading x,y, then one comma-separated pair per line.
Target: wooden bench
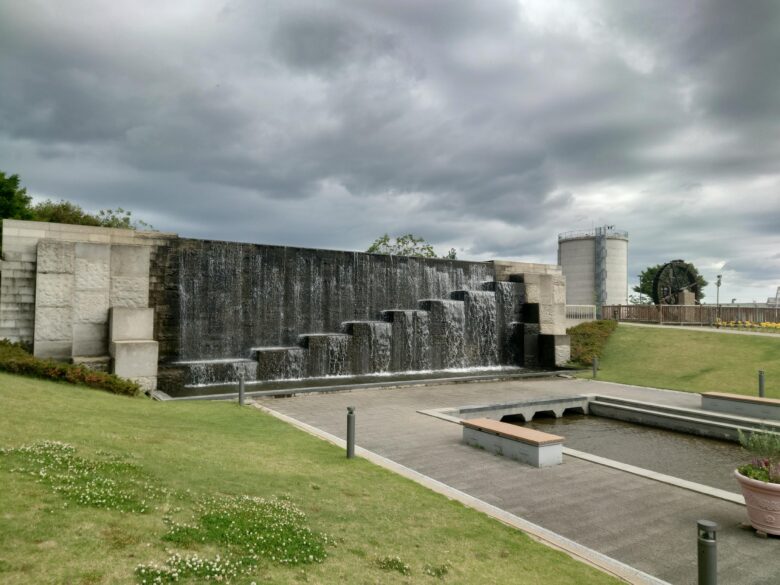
x,y
750,406
530,446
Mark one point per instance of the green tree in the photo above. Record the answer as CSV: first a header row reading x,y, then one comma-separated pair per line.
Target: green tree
x,y
407,245
16,204
14,200
645,286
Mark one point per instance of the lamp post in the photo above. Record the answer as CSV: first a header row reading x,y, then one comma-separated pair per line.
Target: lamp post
x,y
717,298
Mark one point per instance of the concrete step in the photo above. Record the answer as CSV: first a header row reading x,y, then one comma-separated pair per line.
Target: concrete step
x,y
682,420
696,413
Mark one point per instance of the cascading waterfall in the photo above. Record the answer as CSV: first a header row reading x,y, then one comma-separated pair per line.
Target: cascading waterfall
x,y
315,313
210,372
481,343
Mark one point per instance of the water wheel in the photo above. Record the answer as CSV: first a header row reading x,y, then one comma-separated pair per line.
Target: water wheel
x,y
672,279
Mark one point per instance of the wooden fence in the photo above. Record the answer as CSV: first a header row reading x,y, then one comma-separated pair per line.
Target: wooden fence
x,y
689,314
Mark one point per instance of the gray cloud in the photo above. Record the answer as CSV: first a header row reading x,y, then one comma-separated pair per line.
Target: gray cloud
x,y
487,126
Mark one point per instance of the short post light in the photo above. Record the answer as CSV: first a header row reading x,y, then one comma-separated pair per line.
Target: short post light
x,y
717,297
350,432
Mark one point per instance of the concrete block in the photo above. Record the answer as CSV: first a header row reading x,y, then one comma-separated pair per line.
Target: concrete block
x,y
56,350
91,306
92,274
554,350
559,290
146,382
129,260
749,406
531,345
129,291
55,256
94,253
127,324
54,290
538,456
134,358
552,319
97,363
53,324
90,339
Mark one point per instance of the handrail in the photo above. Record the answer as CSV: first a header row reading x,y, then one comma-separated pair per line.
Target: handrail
x,y
592,233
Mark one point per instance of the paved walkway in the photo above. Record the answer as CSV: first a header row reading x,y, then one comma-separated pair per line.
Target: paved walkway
x,y
641,522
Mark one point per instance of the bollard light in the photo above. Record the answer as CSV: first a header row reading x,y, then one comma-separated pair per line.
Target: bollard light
x,y
707,552
595,366
761,384
241,389
350,432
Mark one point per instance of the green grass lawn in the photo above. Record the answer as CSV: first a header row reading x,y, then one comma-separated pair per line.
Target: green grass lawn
x,y
694,361
185,451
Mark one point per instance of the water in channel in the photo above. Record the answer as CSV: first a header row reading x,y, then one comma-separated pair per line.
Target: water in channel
x,y
707,461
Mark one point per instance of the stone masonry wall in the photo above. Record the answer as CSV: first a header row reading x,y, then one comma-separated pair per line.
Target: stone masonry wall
x,y
18,270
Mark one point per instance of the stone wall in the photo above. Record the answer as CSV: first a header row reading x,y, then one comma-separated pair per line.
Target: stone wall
x,y
18,269
223,309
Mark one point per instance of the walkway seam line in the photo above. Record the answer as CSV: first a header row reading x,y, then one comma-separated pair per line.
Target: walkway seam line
x,y
577,551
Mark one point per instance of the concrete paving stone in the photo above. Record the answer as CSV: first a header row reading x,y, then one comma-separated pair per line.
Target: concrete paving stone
x,y
646,524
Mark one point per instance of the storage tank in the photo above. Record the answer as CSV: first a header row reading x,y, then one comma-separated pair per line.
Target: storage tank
x,y
595,264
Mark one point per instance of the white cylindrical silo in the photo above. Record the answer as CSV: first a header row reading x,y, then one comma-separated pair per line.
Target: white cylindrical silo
x,y
595,264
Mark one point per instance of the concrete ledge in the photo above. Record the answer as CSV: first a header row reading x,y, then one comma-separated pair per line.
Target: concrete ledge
x,y
526,445
752,406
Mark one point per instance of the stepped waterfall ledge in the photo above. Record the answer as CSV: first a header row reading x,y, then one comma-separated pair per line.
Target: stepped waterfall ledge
x,y
220,310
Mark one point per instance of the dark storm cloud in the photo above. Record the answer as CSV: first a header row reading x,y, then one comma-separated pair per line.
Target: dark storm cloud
x,y
486,126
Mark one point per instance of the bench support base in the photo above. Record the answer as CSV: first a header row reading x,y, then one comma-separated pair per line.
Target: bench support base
x,y
536,455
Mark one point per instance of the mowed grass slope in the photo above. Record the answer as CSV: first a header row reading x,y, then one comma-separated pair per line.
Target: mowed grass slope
x,y
204,448
693,361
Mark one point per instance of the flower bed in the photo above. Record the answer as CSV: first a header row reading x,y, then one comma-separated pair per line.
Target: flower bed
x,y
765,327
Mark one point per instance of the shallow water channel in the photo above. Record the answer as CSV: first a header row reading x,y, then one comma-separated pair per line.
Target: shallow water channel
x,y
702,460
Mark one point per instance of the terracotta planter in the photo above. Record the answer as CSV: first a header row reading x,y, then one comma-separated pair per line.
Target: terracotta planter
x,y
762,500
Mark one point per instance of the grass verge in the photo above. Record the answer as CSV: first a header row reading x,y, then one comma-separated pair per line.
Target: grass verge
x,y
214,473
693,361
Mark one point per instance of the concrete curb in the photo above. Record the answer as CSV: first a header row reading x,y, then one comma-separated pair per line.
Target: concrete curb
x,y
379,385
575,550
655,476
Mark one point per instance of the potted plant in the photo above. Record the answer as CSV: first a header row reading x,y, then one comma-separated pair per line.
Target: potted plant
x,y
760,480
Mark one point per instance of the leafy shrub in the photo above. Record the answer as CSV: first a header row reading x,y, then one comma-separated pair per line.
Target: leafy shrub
x,y
14,359
765,449
588,340
393,564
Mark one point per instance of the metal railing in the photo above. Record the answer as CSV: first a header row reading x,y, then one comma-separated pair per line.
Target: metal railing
x,y
592,233
689,314
581,312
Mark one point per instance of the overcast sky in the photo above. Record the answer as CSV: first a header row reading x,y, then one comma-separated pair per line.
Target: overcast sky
x,y
486,125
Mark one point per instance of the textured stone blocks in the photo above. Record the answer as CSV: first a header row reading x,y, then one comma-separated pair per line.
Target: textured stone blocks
x,y
55,256
90,339
134,359
127,324
130,260
54,290
129,291
91,306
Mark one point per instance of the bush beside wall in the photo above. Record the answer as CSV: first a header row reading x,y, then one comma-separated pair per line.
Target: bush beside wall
x,y
14,359
588,340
